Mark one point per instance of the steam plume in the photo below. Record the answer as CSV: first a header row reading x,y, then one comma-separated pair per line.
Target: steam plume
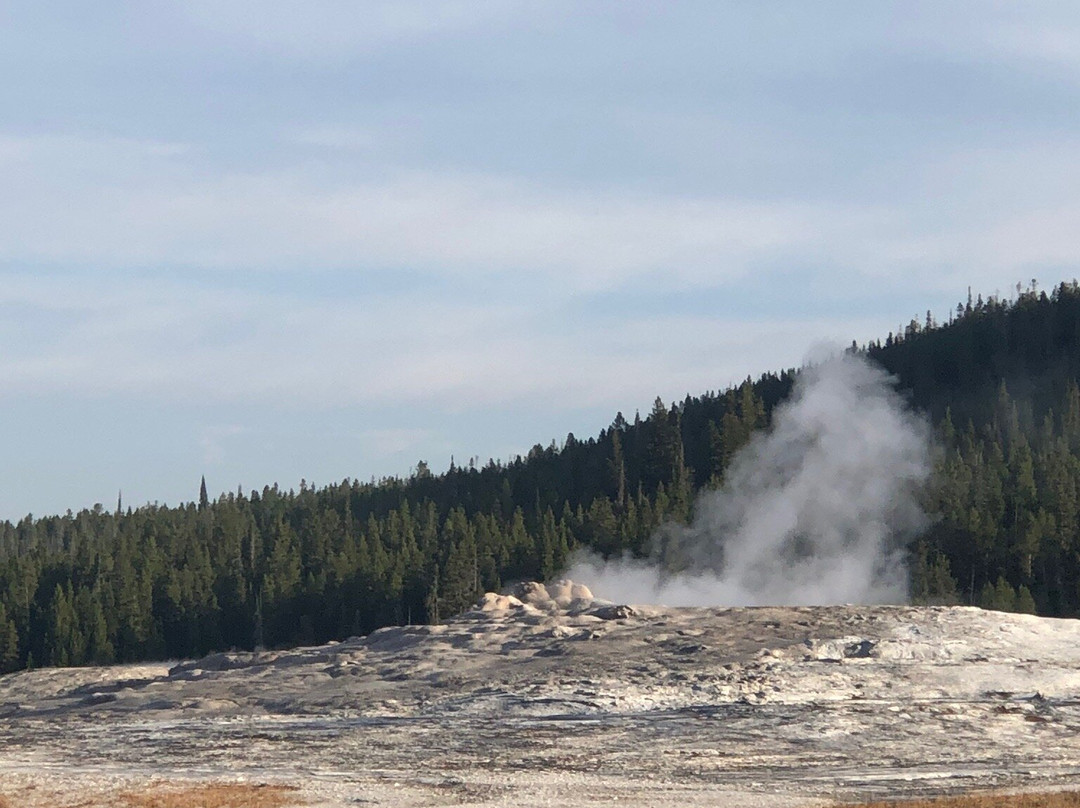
x,y
815,511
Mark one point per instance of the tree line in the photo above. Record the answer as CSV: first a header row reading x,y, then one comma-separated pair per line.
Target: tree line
x,y
276,568
1000,381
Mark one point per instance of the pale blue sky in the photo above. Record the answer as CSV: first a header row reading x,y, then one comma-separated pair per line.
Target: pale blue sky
x,y
269,241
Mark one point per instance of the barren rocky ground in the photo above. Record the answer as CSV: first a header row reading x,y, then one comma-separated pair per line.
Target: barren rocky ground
x,y
560,699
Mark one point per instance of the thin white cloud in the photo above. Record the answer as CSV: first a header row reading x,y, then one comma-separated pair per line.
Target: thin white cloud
x,y
988,218
1022,36
352,138
335,29
163,341
796,157
127,204
964,218
396,441
1029,40
214,442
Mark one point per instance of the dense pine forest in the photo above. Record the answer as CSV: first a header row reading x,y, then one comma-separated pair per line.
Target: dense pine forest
x,y
274,568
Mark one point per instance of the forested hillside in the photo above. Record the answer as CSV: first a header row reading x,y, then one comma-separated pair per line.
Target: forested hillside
x,y
276,567
1000,382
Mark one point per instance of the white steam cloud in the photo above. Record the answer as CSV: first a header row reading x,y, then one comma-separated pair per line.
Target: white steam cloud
x,y
815,511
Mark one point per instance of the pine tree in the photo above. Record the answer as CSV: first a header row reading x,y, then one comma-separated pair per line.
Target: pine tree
x,y
617,464
1025,603
99,648
661,446
460,578
9,642
63,639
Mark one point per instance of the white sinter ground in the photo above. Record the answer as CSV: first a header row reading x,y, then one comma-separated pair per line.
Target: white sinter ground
x,y
558,699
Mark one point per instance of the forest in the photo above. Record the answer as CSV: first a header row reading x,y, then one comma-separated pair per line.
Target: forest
x,y
276,568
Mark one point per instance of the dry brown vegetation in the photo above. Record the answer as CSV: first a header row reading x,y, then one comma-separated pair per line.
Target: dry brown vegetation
x,y
1057,799
209,795
212,795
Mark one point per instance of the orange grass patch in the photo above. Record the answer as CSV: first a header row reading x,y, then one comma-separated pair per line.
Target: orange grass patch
x,y
1054,799
212,795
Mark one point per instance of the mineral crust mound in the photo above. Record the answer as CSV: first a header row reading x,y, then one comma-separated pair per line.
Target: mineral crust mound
x,y
546,693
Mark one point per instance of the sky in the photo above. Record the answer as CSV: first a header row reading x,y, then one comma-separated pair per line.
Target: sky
x,y
271,242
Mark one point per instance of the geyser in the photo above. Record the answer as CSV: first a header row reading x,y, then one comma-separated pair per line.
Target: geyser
x,y
816,510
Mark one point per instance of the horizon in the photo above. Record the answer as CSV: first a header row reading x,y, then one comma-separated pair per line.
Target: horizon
x,y
817,355
261,244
